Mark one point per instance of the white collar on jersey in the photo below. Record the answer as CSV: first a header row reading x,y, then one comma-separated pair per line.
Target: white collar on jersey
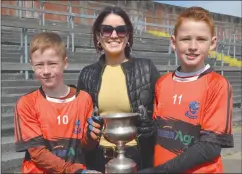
x,y
57,100
188,77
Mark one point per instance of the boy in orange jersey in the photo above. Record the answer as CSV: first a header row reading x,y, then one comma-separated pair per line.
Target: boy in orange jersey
x,y
193,104
51,122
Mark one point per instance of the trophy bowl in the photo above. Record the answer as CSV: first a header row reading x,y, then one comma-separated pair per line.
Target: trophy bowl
x,y
119,129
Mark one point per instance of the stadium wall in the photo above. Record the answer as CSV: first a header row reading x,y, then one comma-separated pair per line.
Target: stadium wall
x,y
148,11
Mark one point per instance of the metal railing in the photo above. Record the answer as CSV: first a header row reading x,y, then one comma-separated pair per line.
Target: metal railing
x,y
72,30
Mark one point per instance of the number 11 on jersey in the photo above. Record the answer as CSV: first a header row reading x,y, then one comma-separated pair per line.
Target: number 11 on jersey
x,y
175,98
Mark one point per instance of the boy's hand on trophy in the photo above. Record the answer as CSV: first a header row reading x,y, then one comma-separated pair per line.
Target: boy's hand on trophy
x,y
95,126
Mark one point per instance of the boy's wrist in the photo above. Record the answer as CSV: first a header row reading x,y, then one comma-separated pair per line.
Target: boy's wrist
x,y
80,171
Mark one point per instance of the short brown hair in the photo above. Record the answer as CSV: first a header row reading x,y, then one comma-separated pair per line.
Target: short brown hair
x,y
197,14
45,40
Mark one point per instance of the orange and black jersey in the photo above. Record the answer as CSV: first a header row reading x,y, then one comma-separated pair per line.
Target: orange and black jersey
x,y
192,109
58,125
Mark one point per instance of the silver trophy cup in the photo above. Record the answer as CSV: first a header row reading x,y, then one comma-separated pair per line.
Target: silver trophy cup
x,y
119,129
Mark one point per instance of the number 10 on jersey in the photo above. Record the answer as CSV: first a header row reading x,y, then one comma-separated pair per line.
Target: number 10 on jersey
x,y
177,99
62,119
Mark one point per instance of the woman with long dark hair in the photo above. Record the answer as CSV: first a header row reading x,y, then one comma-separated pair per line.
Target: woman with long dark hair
x,y
118,82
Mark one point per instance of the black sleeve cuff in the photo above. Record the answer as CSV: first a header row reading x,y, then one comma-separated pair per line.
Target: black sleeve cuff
x,y
79,171
224,140
21,146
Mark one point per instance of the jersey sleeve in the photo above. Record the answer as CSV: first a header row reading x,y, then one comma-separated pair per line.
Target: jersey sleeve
x,y
51,163
26,126
87,141
216,120
157,95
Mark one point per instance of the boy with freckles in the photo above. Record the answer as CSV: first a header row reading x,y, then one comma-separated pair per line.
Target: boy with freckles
x,y
193,104
53,123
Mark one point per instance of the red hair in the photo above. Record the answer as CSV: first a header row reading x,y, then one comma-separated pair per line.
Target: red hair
x,y
196,14
45,40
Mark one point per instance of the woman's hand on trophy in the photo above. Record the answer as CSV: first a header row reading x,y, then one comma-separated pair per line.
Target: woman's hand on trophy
x,y
95,126
146,130
145,125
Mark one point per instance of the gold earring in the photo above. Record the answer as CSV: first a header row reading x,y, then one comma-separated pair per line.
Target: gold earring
x,y
99,44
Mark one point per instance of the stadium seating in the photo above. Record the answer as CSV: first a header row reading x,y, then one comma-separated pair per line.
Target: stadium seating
x,y
14,83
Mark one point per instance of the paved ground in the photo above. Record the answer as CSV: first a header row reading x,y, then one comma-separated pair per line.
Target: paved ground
x,y
232,157
232,163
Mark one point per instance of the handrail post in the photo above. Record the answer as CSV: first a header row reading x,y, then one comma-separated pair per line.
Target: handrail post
x,y
228,53
176,61
17,11
25,32
71,25
222,60
21,46
234,44
170,32
217,47
170,49
20,11
72,34
222,63
68,25
42,3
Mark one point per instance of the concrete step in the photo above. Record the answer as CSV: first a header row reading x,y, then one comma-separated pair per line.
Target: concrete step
x,y
232,73
235,81
89,60
12,162
9,98
21,76
80,42
70,60
237,116
237,92
84,29
90,57
7,83
8,117
7,129
10,47
18,90
8,120
7,51
237,145
73,75
237,99
233,77
93,54
12,76
236,86
8,144
7,108
83,39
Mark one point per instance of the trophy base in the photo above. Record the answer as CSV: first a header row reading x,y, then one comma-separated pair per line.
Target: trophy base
x,y
121,165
